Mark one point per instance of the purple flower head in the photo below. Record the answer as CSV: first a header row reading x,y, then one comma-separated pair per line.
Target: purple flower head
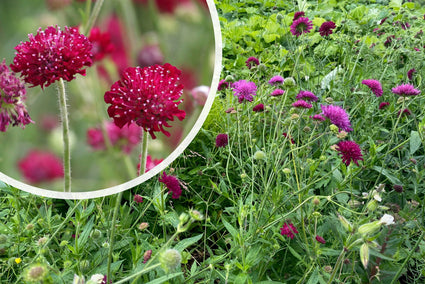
x,y
258,108
327,28
405,90
320,239
221,140
404,112
306,95
251,61
244,90
298,14
383,20
301,25
173,185
410,73
223,85
337,116
277,93
350,152
374,85
302,104
288,230
12,96
318,117
276,80
383,105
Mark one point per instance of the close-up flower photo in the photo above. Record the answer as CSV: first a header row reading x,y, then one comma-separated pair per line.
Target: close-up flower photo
x,y
257,141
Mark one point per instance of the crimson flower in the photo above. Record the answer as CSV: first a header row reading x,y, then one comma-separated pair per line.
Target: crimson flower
x,y
251,62
258,108
150,54
40,166
223,85
320,239
52,54
276,80
101,42
302,104
173,185
298,14
221,140
383,105
244,90
410,73
327,28
350,152
138,198
301,25
146,96
150,164
289,230
277,93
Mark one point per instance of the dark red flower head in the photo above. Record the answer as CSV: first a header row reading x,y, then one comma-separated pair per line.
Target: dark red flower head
x,y
221,140
101,42
327,28
350,152
52,54
40,166
146,96
172,183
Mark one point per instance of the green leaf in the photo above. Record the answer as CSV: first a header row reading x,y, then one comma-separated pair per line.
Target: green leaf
x,y
183,244
415,142
165,278
294,253
387,174
230,228
82,240
395,3
314,278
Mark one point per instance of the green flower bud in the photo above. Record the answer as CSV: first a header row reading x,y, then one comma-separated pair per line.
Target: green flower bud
x,y
84,265
243,175
372,205
334,128
63,243
67,264
345,223
329,100
306,129
369,228
279,18
289,82
295,116
29,227
259,155
35,273
170,259
3,239
196,215
364,254
96,234
286,171
229,78
42,241
78,279
316,202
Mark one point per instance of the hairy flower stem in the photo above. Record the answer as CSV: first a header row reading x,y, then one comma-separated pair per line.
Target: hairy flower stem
x,y
65,136
143,153
337,265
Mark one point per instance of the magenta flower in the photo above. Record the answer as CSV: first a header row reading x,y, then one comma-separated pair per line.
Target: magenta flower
x,y
251,62
327,28
383,105
288,137
277,93
126,138
223,85
337,116
318,117
350,152
405,90
320,239
302,104
258,108
138,198
404,112
221,140
410,73
276,80
306,95
289,230
300,26
298,14
146,96
150,164
51,55
173,185
244,90
101,42
40,166
374,85
383,20
12,97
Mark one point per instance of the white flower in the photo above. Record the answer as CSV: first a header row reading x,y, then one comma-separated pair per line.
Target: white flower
x,y
96,279
387,219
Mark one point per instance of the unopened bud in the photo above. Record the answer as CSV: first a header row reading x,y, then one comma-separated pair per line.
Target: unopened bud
x,y
170,259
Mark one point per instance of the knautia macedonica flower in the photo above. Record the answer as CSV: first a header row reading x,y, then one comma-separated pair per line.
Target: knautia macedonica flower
x,y
221,140
277,93
318,117
383,105
374,85
320,239
146,96
125,138
173,185
410,73
251,62
276,80
40,166
101,44
244,90
301,25
298,14
36,273
138,198
288,230
405,90
337,116
12,97
350,152
327,28
307,96
258,108
302,104
52,54
404,112
223,85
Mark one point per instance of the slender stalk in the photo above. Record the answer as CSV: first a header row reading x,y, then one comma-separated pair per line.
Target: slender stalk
x,y
111,236
65,136
93,16
143,153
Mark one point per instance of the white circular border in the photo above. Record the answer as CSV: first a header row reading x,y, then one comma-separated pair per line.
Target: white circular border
x,y
180,148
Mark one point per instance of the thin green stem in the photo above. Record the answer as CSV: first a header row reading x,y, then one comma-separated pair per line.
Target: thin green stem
x,y
93,16
65,136
141,272
143,153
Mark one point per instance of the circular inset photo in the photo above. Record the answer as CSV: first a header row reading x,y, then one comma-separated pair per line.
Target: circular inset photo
x,y
99,96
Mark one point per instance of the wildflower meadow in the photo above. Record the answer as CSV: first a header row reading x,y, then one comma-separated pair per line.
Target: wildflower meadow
x,y
308,169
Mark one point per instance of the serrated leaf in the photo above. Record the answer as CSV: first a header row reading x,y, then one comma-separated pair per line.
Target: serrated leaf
x,y
415,142
183,244
82,239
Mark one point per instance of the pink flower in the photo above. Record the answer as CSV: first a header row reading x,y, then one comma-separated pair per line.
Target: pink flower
x,y
300,26
146,96
51,55
150,164
258,108
337,116
200,94
404,112
383,105
405,90
223,85
318,117
276,80
374,85
298,14
306,95
40,166
101,42
126,138
320,239
221,140
244,90
288,137
350,152
251,62
173,185
302,104
326,28
410,73
12,97
289,230
138,198
277,93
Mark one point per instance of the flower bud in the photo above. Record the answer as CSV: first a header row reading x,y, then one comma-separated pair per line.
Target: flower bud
x,y
316,201
289,82
41,241
364,254
35,273
295,116
329,100
286,171
78,279
369,228
334,128
196,215
372,205
229,78
259,155
96,279
243,175
345,223
29,227
143,226
84,265
170,259
147,255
